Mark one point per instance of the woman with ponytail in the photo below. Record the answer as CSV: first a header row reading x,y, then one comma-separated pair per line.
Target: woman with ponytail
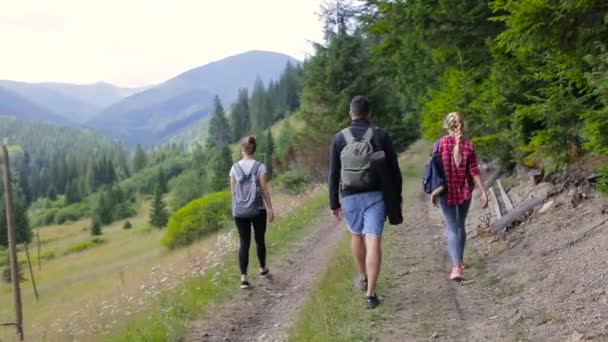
x,y
461,170
242,174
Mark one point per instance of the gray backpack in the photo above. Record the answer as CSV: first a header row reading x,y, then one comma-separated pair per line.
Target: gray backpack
x,y
247,196
356,161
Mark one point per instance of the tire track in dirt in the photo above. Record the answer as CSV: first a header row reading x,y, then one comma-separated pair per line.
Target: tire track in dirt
x,y
422,304
268,311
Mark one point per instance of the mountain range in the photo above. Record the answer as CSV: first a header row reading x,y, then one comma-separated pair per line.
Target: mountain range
x,y
74,103
146,116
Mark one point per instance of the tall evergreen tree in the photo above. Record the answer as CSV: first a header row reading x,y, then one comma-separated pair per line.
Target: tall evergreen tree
x,y
269,150
158,215
258,105
96,228
140,159
290,87
240,117
20,210
103,211
219,167
162,181
72,193
286,137
219,128
52,193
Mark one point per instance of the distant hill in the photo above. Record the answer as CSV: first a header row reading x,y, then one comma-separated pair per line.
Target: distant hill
x,y
14,105
159,113
76,103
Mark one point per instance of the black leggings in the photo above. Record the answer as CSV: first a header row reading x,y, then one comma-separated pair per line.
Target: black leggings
x,y
259,229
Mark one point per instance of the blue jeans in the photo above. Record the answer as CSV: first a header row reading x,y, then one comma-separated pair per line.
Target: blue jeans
x,y
455,217
364,213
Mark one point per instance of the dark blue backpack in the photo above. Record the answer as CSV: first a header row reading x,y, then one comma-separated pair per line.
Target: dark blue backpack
x,y
433,179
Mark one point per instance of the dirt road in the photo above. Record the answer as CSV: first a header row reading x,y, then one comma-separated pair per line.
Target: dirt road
x,y
266,312
422,304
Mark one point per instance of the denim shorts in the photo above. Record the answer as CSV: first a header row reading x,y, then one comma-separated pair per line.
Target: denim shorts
x,y
365,213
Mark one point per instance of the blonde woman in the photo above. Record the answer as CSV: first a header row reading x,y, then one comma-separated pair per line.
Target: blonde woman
x,y
459,162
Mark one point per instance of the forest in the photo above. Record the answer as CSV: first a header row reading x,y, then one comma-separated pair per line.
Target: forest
x,y
528,76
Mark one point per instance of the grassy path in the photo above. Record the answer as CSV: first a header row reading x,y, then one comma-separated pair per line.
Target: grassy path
x,y
419,303
201,297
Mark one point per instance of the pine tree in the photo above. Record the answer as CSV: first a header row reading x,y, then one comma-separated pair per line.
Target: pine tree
x,y
162,181
219,167
140,159
286,137
158,215
20,209
96,228
257,105
269,151
291,87
240,117
219,128
52,193
103,211
72,194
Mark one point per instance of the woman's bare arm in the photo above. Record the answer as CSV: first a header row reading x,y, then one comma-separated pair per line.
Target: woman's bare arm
x,y
266,196
484,194
232,185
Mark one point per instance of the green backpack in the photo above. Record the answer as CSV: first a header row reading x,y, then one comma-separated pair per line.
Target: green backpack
x,y
356,161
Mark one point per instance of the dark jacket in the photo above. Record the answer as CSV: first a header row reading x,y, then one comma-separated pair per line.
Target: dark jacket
x,y
390,168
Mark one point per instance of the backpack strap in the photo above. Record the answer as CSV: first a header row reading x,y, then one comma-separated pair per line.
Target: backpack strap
x,y
350,138
254,169
239,171
369,134
436,146
348,135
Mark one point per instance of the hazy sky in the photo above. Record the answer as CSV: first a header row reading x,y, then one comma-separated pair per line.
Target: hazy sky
x,y
140,42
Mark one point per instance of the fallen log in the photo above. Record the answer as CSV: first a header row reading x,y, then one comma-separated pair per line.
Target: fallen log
x,y
518,213
505,198
496,204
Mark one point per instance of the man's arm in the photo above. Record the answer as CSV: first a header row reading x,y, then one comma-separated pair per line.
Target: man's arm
x,y
393,162
334,175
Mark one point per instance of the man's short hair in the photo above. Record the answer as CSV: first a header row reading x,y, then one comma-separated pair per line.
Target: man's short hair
x,y
359,106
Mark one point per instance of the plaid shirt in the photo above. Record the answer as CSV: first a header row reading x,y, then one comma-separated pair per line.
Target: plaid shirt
x,y
459,179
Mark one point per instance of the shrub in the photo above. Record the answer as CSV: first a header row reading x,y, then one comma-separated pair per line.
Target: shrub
x,y
71,213
96,228
294,181
603,183
123,211
127,225
6,272
44,217
3,256
81,246
197,219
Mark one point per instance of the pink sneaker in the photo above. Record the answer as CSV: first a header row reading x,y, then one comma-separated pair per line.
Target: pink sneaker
x,y
462,265
456,273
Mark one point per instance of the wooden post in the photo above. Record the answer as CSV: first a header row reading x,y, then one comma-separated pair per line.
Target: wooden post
x,y
29,264
38,247
10,224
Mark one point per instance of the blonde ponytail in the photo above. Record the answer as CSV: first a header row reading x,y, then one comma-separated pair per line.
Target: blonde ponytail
x,y
454,124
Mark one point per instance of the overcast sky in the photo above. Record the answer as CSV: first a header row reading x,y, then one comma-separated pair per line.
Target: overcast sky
x,y
141,42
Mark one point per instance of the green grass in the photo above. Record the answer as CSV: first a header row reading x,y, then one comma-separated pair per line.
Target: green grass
x,y
336,313
84,245
168,318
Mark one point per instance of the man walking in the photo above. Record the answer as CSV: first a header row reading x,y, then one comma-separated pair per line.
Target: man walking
x,y
353,152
